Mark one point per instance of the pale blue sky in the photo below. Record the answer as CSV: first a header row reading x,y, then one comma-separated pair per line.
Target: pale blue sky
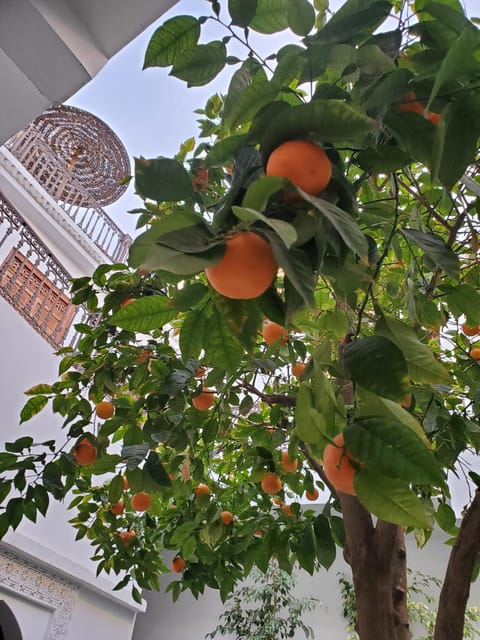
x,y
152,112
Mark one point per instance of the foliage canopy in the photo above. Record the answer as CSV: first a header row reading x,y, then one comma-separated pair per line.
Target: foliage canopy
x,y
376,276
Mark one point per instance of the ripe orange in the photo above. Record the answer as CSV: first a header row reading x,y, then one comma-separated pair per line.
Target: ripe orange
x,y
126,484
303,162
246,269
337,467
85,453
271,483
288,510
470,330
434,118
200,372
178,564
278,501
127,536
298,368
127,301
141,501
227,517
475,353
411,104
312,495
105,409
288,465
118,508
202,489
272,332
204,400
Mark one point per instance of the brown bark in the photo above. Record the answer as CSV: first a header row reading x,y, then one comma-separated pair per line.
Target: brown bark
x,y
456,586
399,586
371,554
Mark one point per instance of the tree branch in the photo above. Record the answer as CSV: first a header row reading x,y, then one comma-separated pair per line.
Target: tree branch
x,y
456,586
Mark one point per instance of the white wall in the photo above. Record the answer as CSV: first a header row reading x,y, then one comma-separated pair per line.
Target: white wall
x,y
195,618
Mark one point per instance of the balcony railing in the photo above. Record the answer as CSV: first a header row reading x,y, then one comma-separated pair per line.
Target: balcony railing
x,y
34,283
36,156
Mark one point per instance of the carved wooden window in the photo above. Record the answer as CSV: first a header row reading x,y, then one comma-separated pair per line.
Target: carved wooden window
x,y
31,292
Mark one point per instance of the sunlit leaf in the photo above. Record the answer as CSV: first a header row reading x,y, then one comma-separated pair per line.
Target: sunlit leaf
x,y
200,64
32,407
391,448
145,314
390,500
170,40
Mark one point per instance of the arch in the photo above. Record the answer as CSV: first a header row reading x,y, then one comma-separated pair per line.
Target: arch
x,y
9,627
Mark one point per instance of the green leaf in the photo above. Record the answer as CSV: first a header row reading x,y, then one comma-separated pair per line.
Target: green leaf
x,y
200,64
310,426
7,460
162,179
378,365
156,470
370,404
355,21
38,389
389,90
14,511
446,518
260,191
383,159
325,547
32,407
390,500
422,364
253,97
149,252
465,299
190,296
41,498
284,230
436,249
115,490
221,350
300,17
271,16
242,11
391,448
145,314
459,61
19,445
414,134
373,61
170,40
191,334
224,150
296,266
331,120
342,222
105,464
242,317
455,141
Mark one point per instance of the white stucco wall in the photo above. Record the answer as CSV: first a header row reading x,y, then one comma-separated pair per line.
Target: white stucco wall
x,y
196,618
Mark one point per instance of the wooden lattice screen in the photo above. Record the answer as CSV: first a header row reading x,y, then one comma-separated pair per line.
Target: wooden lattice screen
x,y
46,307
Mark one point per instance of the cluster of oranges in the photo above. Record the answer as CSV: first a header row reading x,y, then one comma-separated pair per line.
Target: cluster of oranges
x,y
472,331
248,267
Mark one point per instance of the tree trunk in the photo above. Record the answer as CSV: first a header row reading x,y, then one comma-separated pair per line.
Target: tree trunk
x,y
456,586
377,557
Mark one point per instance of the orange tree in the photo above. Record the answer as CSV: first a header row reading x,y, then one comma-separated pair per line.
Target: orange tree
x,y
373,277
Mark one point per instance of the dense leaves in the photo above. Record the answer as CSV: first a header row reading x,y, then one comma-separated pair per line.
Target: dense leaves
x,y
377,272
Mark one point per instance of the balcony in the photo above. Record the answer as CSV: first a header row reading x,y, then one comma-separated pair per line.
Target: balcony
x,y
34,283
81,164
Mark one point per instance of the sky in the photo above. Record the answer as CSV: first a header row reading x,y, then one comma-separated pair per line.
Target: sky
x,y
152,112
